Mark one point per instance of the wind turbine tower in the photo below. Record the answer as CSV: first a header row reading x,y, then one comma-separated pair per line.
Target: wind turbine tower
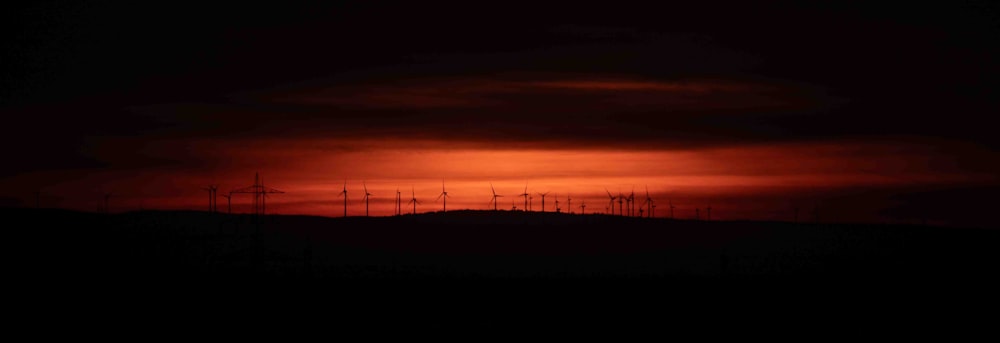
x,y
525,195
495,196
366,197
413,200
611,202
648,203
444,194
543,200
621,201
631,203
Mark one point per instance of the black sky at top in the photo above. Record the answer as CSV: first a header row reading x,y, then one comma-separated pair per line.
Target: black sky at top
x,y
71,68
59,47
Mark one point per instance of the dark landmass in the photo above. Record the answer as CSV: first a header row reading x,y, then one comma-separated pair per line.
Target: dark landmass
x,y
471,261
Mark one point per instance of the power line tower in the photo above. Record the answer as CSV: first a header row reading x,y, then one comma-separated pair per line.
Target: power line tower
x,y
212,192
259,192
229,202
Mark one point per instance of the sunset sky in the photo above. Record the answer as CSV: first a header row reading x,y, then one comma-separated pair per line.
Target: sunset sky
x,y
866,113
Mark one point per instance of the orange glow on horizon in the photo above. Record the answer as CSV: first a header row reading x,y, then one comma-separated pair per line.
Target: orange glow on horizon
x,y
733,180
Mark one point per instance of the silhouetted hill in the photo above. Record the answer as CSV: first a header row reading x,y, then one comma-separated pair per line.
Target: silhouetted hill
x,y
485,244
495,259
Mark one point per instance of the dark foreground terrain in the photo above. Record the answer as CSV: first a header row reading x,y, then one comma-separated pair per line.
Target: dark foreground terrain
x,y
477,267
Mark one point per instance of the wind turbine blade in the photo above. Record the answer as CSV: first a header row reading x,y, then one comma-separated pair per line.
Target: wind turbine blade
x,y
439,197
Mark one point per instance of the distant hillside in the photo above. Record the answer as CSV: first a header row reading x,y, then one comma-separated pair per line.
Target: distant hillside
x,y
488,244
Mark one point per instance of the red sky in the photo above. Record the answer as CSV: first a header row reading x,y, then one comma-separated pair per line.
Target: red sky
x,y
739,112
761,181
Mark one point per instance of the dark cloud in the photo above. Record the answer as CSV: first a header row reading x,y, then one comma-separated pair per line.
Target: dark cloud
x,y
80,74
554,110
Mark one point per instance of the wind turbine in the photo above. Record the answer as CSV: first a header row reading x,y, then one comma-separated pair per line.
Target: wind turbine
x,y
648,203
525,195
631,203
621,200
413,200
344,193
583,207
444,206
366,197
543,200
495,196
569,203
557,202
611,203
